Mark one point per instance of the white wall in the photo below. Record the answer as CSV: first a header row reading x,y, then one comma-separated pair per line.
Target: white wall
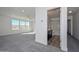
x,y
76,25
41,25
7,13
0,25
5,26
55,25
63,28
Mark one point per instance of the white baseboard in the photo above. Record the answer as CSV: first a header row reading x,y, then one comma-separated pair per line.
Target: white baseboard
x,y
28,33
8,34
16,33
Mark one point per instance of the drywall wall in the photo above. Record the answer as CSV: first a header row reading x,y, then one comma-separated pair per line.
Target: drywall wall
x,y
48,23
63,28
0,25
41,25
76,25
55,26
6,26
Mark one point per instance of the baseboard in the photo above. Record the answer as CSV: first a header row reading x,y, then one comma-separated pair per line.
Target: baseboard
x,y
8,34
68,33
73,36
16,33
28,33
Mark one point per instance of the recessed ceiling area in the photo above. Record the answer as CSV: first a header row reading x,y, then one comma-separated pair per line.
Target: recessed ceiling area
x,y
18,11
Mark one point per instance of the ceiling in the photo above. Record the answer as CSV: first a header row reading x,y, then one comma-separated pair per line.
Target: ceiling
x,y
18,11
30,11
49,8
73,9
56,12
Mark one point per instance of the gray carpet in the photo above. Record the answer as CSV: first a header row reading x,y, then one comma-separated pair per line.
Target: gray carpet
x,y
73,44
23,43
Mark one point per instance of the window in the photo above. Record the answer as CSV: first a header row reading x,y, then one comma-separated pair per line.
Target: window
x,y
15,24
21,25
27,26
30,26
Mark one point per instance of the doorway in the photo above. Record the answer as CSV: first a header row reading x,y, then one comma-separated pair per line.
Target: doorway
x,y
69,26
54,27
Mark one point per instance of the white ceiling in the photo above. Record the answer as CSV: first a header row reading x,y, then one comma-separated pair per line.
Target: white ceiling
x,y
17,11
30,11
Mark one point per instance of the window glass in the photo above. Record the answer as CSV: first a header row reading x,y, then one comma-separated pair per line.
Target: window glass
x,y
22,26
15,24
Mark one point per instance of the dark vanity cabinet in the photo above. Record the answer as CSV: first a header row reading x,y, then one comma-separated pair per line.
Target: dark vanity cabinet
x,y
49,34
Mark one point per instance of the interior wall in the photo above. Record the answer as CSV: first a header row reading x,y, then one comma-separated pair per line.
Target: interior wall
x,y
5,26
63,28
41,25
76,25
55,26
0,26
49,23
